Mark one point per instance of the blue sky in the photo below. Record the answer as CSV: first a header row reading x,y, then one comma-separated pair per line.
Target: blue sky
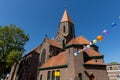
x,y
90,17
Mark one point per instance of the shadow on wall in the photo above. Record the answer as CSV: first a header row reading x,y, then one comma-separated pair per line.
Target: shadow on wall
x,y
90,75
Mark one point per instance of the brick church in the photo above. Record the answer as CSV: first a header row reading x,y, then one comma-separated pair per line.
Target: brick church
x,y
54,59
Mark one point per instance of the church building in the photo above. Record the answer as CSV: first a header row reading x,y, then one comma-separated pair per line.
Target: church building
x,y
62,58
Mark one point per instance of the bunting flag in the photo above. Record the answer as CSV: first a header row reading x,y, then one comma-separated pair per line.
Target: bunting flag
x,y
98,38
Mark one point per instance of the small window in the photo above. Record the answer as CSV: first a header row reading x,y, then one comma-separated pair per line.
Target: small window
x,y
118,76
58,75
64,29
40,77
80,76
63,43
48,75
71,30
111,68
43,55
53,76
119,67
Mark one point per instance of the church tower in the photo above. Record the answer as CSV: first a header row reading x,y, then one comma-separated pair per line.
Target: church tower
x,y
66,30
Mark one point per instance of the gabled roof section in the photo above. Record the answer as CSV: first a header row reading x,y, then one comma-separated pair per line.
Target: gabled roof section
x,y
53,42
92,53
66,17
58,60
94,62
37,48
78,40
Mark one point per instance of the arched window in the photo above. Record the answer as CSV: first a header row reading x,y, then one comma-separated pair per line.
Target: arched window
x,y
48,75
58,75
80,76
40,77
43,56
53,75
111,68
71,29
64,29
63,43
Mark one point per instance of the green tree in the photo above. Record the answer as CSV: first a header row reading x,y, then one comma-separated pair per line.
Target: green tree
x,y
113,63
12,41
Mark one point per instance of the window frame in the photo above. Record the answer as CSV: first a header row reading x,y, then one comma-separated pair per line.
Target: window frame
x,y
53,75
41,77
48,75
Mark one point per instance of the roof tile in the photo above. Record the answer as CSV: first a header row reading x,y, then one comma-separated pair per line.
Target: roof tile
x,y
93,61
58,60
92,52
53,43
79,40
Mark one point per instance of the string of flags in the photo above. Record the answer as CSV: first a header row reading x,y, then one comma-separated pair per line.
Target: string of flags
x,y
94,41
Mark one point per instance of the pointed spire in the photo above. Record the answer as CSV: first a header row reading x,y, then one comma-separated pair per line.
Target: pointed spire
x,y
66,17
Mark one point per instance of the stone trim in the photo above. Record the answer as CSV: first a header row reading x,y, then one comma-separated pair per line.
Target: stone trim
x,y
54,67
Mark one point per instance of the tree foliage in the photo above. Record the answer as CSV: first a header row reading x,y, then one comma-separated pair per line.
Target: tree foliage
x,y
12,41
113,63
